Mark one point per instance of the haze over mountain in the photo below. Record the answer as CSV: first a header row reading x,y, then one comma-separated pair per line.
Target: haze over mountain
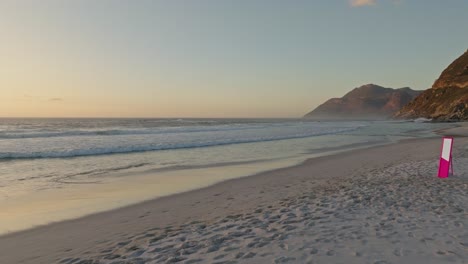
x,y
448,97
369,101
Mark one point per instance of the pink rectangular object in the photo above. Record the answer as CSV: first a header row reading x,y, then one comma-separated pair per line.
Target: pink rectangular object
x,y
445,157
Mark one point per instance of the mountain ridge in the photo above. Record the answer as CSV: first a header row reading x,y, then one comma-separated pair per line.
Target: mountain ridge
x,y
367,102
447,100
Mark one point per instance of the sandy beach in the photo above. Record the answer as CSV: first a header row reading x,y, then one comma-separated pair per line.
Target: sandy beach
x,y
378,205
232,132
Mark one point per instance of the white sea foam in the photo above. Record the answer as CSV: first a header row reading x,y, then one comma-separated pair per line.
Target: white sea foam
x,y
72,143
38,154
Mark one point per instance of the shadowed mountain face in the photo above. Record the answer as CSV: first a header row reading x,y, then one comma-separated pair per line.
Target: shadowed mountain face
x,y
447,100
369,101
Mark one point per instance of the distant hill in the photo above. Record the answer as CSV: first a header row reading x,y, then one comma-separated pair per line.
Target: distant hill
x,y
368,102
447,100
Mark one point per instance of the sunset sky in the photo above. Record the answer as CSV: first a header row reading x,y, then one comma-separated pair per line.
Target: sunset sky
x,y
104,58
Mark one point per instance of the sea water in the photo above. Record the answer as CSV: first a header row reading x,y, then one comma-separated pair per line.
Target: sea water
x,y
56,169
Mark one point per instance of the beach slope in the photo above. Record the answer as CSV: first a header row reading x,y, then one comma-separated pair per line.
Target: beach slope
x,y
378,205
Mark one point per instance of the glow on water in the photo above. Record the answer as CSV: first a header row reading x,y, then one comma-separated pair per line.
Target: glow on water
x,y
60,169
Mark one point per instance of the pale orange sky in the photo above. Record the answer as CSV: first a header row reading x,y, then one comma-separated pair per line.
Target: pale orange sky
x,y
213,59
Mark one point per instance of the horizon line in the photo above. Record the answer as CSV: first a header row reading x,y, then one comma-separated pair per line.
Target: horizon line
x,y
76,117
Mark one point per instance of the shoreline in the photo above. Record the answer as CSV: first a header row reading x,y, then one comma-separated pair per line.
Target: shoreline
x,y
240,172
143,187
202,205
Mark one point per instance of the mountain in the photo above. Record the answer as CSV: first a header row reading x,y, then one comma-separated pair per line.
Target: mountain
x,y
447,100
367,102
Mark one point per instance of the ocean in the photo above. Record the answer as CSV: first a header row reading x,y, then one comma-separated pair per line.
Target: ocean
x,y
55,159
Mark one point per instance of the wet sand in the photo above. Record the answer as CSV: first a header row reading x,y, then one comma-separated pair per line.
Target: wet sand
x,y
378,205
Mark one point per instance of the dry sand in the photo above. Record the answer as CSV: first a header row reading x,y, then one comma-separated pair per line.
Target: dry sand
x,y
378,205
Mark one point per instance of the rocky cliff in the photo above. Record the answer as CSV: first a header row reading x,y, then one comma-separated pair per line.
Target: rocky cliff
x,y
447,100
369,101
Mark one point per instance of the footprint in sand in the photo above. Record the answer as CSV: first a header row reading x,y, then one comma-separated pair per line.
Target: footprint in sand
x,y
192,261
285,259
123,243
398,252
220,256
284,246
